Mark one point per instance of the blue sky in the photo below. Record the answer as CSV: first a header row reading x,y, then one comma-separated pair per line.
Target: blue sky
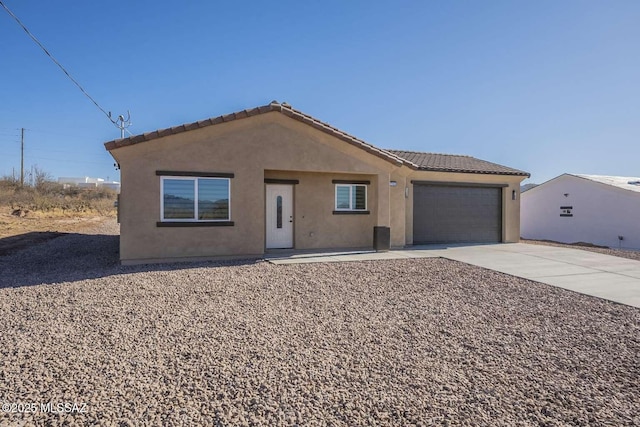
x,y
543,86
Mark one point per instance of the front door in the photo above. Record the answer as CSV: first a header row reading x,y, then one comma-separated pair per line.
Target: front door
x,y
279,216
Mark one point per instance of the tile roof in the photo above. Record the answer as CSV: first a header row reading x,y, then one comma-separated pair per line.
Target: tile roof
x,y
414,160
283,108
625,182
454,163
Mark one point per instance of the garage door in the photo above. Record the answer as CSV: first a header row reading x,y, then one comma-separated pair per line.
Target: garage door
x,y
452,214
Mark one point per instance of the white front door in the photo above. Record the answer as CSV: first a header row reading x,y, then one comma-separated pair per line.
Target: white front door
x,y
279,216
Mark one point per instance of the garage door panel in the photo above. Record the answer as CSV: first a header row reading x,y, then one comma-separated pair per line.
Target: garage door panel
x,y
448,214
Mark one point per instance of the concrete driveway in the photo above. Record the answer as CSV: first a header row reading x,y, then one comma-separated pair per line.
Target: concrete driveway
x,y
604,276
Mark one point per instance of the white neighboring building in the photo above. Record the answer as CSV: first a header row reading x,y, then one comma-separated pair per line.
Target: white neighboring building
x,y
88,182
114,185
603,210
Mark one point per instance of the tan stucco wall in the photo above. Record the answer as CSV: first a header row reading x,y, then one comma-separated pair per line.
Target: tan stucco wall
x,y
397,205
247,148
315,225
274,146
510,208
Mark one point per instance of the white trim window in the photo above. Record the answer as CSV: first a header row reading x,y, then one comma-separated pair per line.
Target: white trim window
x,y
351,197
194,199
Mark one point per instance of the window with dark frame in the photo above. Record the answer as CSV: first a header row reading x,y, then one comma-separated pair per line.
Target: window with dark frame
x,y
195,199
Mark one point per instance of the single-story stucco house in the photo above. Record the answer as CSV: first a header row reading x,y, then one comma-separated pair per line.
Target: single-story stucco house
x,y
573,208
273,177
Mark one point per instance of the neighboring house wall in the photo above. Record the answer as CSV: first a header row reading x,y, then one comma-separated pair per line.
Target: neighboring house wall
x,y
88,182
600,212
115,186
79,180
252,149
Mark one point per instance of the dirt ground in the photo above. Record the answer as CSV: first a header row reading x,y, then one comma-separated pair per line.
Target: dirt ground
x,y
17,232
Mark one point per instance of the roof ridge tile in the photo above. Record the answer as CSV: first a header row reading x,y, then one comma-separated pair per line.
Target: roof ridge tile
x,y
428,152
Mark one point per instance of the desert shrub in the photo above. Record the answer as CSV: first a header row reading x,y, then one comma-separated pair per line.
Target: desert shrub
x,y
9,181
42,180
104,206
22,198
100,193
44,195
8,186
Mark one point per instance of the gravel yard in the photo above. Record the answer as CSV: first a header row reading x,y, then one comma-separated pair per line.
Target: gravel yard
x,y
402,342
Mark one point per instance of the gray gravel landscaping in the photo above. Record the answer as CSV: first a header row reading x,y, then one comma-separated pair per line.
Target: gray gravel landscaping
x,y
399,342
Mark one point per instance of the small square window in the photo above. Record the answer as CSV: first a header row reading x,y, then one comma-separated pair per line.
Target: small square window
x,y
351,197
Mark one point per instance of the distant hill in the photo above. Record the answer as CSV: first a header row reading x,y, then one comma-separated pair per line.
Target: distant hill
x,y
526,187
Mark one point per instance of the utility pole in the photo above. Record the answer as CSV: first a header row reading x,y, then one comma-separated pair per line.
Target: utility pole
x,y
22,159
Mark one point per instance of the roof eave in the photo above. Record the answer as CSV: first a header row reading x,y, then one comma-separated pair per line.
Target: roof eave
x,y
283,108
514,173
135,139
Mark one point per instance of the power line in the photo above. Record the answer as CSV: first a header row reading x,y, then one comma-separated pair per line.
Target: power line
x,y
87,130
66,151
115,122
69,160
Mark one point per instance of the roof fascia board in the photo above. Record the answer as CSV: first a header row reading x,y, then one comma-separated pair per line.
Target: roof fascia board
x,y
522,174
